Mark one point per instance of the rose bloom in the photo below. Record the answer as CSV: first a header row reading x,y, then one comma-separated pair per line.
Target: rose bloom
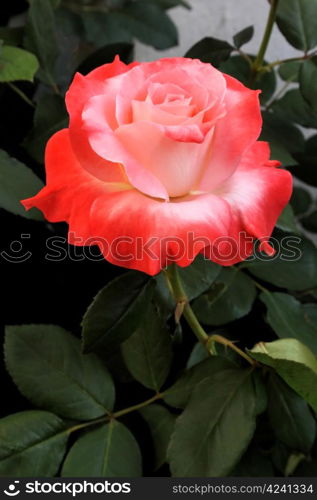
x,y
161,162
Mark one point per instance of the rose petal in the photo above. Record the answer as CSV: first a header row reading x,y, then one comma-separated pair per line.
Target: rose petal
x,y
70,190
257,192
177,165
147,235
81,89
106,144
233,135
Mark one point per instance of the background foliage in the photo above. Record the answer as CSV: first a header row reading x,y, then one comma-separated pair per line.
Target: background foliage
x,y
137,396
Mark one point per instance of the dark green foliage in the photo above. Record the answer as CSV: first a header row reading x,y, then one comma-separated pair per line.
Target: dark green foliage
x,y
138,395
210,50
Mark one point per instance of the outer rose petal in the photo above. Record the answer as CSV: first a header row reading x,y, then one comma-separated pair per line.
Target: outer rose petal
x,y
257,193
141,233
81,89
132,230
234,133
70,190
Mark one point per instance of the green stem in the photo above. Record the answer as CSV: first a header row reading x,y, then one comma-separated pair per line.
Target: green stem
x,y
260,287
183,306
283,61
206,340
266,37
53,84
222,340
118,414
305,57
21,94
193,322
245,56
84,425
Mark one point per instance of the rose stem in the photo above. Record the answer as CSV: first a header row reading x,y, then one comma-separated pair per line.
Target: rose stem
x,y
183,307
21,94
257,64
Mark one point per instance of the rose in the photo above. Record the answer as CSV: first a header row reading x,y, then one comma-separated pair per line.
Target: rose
x,y
161,162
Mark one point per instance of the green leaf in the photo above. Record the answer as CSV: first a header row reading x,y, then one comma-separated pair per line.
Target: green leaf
x,y
289,71
104,29
310,222
148,352
50,116
162,296
290,417
301,200
240,68
291,319
169,4
287,221
244,36
311,313
199,276
149,24
17,182
307,82
116,312
180,392
216,426
231,297
292,107
161,424
17,64
254,463
40,37
284,137
117,368
294,266
198,354
293,462
145,21
286,461
294,362
47,365
210,50
260,392
297,21
109,451
32,444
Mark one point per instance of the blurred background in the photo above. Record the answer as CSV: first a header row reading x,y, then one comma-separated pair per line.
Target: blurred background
x,y
220,19
217,18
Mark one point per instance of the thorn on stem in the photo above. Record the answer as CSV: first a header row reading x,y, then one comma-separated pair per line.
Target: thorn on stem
x,y
180,306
